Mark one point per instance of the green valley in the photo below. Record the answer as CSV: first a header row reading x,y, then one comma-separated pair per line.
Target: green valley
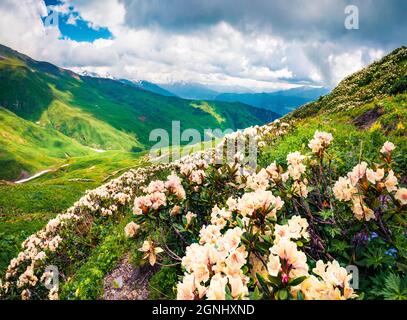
x,y
96,113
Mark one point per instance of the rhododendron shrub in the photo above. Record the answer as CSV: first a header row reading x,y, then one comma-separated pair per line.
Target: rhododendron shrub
x,y
69,238
286,230
363,211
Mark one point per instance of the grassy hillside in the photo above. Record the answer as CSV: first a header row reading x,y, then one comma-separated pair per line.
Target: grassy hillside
x,y
363,111
139,111
357,133
86,129
23,91
117,103
383,78
28,147
94,112
26,208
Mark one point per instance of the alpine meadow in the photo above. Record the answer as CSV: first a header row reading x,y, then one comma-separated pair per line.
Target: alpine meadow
x,y
215,150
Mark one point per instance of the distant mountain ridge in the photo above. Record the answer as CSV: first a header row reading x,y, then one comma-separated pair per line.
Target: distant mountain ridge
x,y
281,102
149,86
190,90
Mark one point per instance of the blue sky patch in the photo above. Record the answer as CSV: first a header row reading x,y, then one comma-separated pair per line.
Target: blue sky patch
x,y
73,26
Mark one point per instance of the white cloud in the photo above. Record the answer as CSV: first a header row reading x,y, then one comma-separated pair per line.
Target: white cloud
x,y
218,55
100,13
21,26
72,20
344,64
347,63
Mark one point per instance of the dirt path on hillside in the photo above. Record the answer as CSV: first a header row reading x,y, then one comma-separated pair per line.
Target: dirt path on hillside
x,y
127,282
39,174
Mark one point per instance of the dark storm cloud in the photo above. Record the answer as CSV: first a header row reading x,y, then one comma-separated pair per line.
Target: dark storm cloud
x,y
382,22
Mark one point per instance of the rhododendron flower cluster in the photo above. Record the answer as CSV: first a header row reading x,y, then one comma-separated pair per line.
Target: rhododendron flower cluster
x,y
213,264
219,217
189,217
387,148
332,282
354,187
286,259
131,229
295,170
259,181
157,193
261,203
320,141
295,229
401,195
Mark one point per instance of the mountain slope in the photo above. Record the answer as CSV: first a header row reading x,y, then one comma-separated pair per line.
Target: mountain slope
x,y
32,87
381,79
332,229
366,109
193,91
27,147
84,128
149,86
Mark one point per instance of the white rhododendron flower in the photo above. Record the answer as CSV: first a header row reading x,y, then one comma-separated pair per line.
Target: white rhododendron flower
x,y
374,176
131,229
387,148
391,182
150,251
260,200
401,195
361,211
294,261
357,173
190,216
320,141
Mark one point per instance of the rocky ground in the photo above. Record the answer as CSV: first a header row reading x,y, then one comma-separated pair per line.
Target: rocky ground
x,y
127,282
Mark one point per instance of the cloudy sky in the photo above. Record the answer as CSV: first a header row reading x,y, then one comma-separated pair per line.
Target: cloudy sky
x,y
259,45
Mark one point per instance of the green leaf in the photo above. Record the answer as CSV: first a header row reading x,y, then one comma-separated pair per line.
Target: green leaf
x,y
267,238
395,287
283,294
256,294
339,245
239,222
296,281
228,293
262,247
263,284
326,214
275,280
333,231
